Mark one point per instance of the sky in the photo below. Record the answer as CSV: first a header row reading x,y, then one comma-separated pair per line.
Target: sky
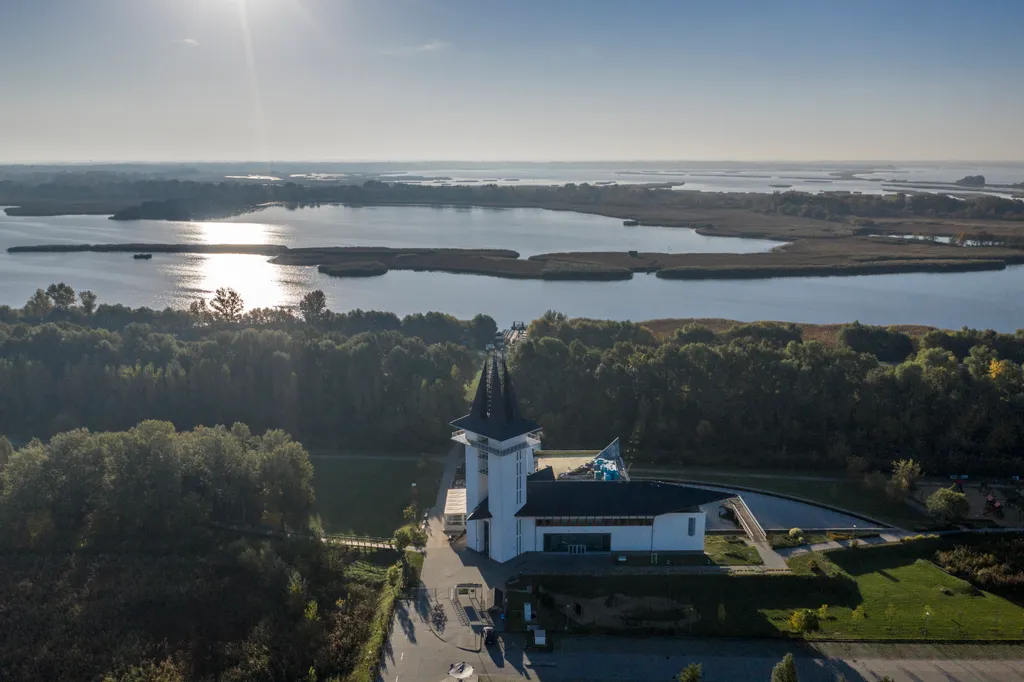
x,y
488,80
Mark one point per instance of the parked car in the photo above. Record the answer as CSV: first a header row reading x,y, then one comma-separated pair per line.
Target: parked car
x,y
490,637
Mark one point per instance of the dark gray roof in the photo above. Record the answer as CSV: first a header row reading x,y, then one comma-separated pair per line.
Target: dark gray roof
x,y
482,511
545,474
495,411
613,498
606,498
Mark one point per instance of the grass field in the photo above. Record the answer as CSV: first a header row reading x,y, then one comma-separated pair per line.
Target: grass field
x,y
839,493
730,550
895,587
907,597
366,497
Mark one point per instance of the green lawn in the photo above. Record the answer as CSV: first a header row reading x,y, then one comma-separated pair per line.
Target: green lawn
x,y
892,584
905,596
840,493
730,550
366,497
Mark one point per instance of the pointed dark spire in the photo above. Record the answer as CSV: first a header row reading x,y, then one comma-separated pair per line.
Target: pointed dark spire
x,y
495,410
494,414
479,408
509,398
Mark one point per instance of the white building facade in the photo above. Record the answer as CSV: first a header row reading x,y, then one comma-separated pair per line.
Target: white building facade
x,y
514,507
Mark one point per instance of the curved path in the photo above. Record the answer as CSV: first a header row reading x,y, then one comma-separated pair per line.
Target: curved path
x,y
415,654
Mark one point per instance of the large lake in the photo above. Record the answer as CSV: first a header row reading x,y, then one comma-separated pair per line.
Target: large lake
x,y
977,299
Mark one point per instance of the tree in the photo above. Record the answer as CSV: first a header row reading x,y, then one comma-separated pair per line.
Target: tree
x,y
785,670
401,539
409,513
691,673
6,450
62,295
88,299
905,474
313,306
948,504
804,620
417,537
200,311
227,305
39,305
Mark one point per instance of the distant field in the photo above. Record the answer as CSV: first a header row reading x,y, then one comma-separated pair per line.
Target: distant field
x,y
366,497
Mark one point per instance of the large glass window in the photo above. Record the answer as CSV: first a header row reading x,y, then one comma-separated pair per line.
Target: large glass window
x,y
577,542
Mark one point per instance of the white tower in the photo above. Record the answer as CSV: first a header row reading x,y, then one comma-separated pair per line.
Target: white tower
x,y
499,456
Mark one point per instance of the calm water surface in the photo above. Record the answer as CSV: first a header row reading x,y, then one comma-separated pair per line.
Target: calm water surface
x,y
977,299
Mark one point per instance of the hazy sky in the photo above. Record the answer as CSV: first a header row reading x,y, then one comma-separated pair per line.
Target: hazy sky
x,y
510,80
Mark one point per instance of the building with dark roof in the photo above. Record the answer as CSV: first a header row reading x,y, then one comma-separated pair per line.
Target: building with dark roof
x,y
521,498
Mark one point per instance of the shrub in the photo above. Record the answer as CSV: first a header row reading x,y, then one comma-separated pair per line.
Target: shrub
x,y
823,612
691,673
795,533
804,621
860,613
948,504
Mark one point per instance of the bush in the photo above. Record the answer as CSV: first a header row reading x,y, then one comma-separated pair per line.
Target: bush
x,y
948,504
795,533
995,564
804,621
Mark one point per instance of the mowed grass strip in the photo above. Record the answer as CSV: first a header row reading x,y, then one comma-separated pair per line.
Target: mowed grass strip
x,y
903,595
366,497
730,550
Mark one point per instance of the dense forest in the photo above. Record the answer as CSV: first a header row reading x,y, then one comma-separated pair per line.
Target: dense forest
x,y
356,380
755,395
131,198
117,565
758,396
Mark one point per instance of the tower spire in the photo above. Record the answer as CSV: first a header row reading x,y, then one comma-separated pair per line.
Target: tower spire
x,y
495,410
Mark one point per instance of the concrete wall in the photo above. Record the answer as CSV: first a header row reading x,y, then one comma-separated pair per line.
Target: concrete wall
x,y
506,484
505,487
476,490
671,533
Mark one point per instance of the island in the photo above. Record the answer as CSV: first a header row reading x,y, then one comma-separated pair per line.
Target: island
x,y
826,233
858,255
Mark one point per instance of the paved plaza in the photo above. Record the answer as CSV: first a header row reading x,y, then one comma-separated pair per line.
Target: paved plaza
x,y
418,652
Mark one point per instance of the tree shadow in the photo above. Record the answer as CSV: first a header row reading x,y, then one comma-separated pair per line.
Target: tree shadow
x,y
405,622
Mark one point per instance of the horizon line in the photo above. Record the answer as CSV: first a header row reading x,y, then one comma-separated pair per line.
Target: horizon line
x,y
138,162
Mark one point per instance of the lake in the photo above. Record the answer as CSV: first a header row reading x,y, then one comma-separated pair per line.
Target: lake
x,y
977,299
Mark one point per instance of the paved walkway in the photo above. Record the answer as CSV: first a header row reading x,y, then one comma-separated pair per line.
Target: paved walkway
x,y
880,539
416,653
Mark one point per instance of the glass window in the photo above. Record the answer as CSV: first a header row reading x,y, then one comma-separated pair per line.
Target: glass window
x,y
575,542
692,526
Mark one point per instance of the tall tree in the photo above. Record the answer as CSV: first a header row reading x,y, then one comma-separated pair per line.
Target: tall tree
x,y
88,299
227,305
62,295
313,305
39,305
